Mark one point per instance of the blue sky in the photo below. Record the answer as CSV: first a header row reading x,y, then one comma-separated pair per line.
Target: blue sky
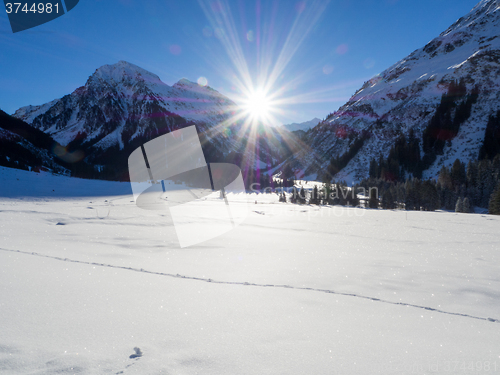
x,y
311,55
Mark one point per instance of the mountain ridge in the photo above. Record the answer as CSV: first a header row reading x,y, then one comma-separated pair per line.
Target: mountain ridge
x,y
304,126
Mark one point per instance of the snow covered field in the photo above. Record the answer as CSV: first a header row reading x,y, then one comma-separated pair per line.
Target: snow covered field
x,y
86,276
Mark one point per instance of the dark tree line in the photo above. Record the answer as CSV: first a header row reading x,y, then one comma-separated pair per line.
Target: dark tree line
x,y
459,187
413,194
491,142
340,162
494,206
24,158
453,110
404,159
15,149
336,193
473,184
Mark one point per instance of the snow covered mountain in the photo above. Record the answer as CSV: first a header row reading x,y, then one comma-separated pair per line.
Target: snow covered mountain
x,y
122,101
121,106
407,95
305,126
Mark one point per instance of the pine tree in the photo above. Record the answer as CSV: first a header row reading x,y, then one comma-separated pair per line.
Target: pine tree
x,y
373,172
429,196
467,206
315,199
400,193
459,207
333,197
352,198
494,204
294,196
342,191
491,143
327,189
301,198
418,194
472,175
387,200
486,182
413,194
458,175
447,189
409,195
373,201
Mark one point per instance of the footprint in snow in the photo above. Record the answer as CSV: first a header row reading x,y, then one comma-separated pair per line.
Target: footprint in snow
x,y
138,353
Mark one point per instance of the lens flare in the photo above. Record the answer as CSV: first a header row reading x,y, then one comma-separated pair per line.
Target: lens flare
x,y
327,69
258,105
267,90
342,49
175,49
207,31
202,81
369,63
250,36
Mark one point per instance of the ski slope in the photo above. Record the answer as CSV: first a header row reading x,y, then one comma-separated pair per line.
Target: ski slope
x,y
86,277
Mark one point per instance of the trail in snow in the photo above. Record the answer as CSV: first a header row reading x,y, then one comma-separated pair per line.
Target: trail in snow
x,y
252,284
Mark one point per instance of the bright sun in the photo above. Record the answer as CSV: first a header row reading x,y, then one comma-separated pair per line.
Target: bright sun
x,y
258,105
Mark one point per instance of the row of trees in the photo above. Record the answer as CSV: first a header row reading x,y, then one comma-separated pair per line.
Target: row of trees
x,y
404,159
476,181
340,162
459,187
491,143
494,207
329,194
413,194
442,128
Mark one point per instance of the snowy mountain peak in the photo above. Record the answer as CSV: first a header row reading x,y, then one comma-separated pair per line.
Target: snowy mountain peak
x,y
477,16
123,70
487,6
185,82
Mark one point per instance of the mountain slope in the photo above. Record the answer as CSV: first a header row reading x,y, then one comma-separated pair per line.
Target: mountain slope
x,y
407,95
24,147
